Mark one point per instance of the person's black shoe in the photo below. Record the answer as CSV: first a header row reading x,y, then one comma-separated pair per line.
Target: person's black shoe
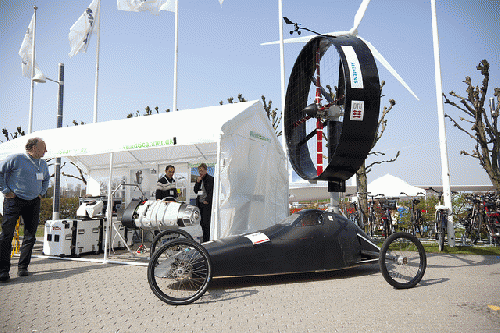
x,y
4,277
22,272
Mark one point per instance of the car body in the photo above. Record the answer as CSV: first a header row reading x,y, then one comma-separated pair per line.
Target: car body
x,y
309,240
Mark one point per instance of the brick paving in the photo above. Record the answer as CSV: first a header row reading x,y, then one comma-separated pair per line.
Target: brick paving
x,y
458,294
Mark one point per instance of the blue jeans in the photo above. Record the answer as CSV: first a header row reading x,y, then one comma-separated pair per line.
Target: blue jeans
x,y
30,212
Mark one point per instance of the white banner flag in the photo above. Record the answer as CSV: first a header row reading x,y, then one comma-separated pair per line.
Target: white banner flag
x,y
153,6
25,52
81,31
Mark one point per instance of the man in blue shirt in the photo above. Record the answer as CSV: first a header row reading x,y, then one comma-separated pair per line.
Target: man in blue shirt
x,y
24,178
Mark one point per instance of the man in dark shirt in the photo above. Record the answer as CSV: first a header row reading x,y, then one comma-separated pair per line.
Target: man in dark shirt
x,y
166,187
204,187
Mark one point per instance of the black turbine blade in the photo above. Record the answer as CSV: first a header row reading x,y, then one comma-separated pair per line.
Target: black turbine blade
x,y
325,94
307,138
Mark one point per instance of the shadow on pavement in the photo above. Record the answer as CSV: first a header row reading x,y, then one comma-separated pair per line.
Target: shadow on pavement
x,y
461,260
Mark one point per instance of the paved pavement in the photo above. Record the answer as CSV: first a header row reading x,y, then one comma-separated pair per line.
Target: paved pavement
x,y
458,294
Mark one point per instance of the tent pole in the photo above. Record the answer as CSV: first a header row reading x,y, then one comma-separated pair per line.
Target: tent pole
x,y
214,222
109,210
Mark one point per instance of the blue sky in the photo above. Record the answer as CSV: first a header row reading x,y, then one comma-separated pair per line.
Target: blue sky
x,y
220,56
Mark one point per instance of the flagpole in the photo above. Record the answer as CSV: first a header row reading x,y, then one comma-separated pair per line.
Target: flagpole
x,y
30,116
174,106
282,76
445,172
98,48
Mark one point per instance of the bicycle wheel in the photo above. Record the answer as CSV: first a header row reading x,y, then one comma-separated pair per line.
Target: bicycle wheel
x,y
180,271
373,226
167,236
443,219
402,260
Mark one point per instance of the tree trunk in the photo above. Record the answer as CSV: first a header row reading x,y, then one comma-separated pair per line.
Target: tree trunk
x,y
362,188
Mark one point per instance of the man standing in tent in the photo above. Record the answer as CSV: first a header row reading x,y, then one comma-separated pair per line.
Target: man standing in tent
x,y
24,178
166,187
205,188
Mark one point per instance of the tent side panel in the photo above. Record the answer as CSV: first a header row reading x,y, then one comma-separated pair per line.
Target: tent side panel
x,y
253,179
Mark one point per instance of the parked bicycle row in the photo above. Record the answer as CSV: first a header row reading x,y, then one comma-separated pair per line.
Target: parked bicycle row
x,y
482,219
476,216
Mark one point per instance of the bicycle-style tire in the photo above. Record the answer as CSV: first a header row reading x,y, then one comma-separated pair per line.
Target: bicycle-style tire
x,y
442,231
373,227
167,236
402,260
479,222
180,271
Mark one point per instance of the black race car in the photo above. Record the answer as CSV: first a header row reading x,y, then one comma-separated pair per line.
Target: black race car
x,y
180,269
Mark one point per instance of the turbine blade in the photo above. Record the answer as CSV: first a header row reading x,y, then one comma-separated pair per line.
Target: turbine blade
x,y
386,64
305,39
359,16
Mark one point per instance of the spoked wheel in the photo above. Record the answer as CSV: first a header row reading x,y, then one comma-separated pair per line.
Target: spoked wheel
x,y
441,237
167,236
402,260
180,271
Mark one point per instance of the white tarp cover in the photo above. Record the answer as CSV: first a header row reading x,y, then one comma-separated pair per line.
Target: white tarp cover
x,y
251,177
392,186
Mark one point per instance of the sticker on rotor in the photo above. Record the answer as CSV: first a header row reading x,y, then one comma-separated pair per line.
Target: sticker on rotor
x,y
354,67
258,238
357,110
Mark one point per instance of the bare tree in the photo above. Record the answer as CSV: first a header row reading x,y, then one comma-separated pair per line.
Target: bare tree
x,y
272,114
484,126
147,113
362,183
10,136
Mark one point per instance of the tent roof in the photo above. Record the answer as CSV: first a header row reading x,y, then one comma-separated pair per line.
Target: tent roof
x,y
189,135
392,186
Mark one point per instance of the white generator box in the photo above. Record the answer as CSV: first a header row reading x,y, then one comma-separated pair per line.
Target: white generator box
x,y
126,234
72,237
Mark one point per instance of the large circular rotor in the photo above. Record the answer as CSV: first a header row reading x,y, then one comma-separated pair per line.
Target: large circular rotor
x,y
332,102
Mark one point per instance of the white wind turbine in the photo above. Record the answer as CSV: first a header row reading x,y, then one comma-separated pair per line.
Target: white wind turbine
x,y
354,32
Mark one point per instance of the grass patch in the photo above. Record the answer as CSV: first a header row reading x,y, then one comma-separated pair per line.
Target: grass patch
x,y
39,231
474,250
432,247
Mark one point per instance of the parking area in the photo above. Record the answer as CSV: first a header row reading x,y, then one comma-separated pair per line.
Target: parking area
x,y
457,294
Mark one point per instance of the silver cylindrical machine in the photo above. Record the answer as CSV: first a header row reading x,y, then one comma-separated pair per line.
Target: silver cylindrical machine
x,y
159,214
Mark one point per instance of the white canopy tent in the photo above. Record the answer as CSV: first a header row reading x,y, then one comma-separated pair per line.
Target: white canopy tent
x,y
251,180
391,187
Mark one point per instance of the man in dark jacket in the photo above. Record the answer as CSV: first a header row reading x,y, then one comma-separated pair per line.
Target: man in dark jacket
x,y
204,187
166,187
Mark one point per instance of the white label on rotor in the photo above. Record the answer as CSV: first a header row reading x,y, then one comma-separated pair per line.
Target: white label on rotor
x,y
357,110
354,67
257,238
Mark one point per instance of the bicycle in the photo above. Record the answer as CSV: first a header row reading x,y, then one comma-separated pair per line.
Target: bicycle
x,y
490,204
355,215
416,220
441,220
387,206
372,221
473,222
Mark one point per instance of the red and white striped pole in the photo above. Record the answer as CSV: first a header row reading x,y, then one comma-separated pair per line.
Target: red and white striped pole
x,y
319,124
